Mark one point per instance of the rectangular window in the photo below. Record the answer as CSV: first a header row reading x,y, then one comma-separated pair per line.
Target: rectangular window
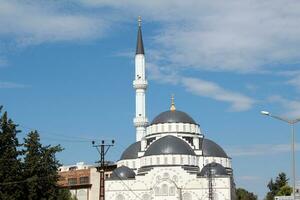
x,y
174,160
72,181
166,160
84,180
157,161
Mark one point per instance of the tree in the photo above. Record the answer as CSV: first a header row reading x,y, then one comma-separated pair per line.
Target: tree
x,y
285,191
279,187
40,169
10,161
242,194
65,194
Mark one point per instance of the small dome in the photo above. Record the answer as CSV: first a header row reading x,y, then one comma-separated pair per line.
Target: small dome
x,y
210,148
132,151
216,169
173,116
123,172
169,145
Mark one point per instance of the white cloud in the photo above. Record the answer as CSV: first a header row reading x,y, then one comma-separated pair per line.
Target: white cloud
x,y
34,22
260,149
11,85
197,86
291,107
237,36
239,102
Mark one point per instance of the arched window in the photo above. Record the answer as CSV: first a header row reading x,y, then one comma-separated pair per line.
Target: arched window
x,y
164,189
146,197
172,191
166,160
187,196
173,160
120,197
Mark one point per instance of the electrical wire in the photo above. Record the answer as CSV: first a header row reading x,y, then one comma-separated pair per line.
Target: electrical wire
x,y
26,180
128,187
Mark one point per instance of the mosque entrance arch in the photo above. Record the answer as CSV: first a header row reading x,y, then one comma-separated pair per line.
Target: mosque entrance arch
x,y
166,188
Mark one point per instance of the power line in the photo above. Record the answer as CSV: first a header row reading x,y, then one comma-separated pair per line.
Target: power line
x,y
128,187
26,180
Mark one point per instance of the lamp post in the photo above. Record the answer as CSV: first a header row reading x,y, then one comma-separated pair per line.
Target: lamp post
x,y
292,123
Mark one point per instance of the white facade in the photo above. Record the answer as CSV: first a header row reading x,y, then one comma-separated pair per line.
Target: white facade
x,y
171,158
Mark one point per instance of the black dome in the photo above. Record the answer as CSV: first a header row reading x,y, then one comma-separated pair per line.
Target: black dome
x,y
173,117
169,145
132,151
210,148
123,172
216,169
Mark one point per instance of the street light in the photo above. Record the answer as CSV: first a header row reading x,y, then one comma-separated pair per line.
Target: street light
x,y
292,123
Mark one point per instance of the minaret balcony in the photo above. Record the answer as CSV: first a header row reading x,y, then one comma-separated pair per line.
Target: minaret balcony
x,y
140,121
140,84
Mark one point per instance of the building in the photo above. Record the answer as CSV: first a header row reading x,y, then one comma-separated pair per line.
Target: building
x,y
83,180
171,158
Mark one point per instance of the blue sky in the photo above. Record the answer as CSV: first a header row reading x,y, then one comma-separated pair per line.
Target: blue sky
x,y
66,69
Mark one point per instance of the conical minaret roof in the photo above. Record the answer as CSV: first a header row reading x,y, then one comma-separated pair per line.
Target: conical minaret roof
x,y
139,45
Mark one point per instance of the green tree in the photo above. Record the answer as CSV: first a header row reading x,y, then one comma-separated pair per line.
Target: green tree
x,y
40,169
242,194
278,187
65,194
10,162
285,191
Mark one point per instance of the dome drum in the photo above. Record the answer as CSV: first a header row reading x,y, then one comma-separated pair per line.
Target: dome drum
x,y
173,128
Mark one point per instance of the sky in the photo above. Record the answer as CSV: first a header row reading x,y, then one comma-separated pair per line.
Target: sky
x,y
66,69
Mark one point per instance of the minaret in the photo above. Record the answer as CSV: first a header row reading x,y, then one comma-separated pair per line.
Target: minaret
x,y
140,85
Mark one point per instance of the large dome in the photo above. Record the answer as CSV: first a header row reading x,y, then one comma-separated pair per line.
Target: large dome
x,y
123,172
211,149
132,151
173,116
169,145
215,169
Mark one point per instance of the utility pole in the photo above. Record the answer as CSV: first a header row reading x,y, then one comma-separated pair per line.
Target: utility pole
x,y
102,150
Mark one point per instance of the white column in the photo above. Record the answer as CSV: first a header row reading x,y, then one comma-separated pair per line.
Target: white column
x,y
140,84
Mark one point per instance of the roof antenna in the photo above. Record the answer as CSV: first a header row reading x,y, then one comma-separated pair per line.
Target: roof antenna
x,y
172,108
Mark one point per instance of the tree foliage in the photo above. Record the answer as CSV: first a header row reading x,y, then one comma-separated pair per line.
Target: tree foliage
x,y
28,171
242,194
40,168
10,162
279,187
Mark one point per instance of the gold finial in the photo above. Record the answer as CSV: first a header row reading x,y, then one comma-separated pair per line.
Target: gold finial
x,y
172,108
140,20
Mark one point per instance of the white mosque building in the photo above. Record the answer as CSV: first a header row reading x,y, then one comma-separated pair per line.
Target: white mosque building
x,y
171,158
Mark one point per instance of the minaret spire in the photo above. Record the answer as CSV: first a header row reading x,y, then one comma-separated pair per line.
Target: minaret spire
x,y
140,85
139,44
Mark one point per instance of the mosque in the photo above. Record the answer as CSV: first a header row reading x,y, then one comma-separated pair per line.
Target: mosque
x,y
171,158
